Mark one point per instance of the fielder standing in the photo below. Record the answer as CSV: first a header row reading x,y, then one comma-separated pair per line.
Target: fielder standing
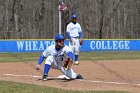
x,y
55,57
74,34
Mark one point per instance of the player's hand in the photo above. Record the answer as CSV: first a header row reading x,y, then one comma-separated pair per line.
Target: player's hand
x,y
71,40
81,41
37,67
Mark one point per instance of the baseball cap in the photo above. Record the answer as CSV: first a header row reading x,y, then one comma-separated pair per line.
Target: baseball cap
x,y
59,36
74,16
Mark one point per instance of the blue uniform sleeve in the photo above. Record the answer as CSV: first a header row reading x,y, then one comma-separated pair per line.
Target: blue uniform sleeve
x,y
68,35
80,34
41,58
70,55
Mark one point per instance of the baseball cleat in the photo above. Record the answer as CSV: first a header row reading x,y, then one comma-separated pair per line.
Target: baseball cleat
x,y
44,77
79,76
76,63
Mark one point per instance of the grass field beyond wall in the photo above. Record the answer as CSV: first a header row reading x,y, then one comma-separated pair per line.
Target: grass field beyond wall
x,y
27,57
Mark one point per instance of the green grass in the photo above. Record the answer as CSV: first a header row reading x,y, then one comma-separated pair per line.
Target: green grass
x,y
27,57
109,55
12,87
19,57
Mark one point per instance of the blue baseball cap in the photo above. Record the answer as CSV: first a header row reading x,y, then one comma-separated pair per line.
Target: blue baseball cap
x,y
74,16
59,36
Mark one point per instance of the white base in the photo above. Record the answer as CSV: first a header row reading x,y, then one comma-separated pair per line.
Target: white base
x,y
63,77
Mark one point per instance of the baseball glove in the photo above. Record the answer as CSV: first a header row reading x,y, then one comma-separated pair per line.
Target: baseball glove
x,y
67,64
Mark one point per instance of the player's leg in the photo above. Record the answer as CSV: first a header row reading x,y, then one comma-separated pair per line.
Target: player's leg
x,y
70,73
76,52
47,66
71,46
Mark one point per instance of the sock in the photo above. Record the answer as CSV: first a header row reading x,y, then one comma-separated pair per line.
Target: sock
x,y
46,69
76,57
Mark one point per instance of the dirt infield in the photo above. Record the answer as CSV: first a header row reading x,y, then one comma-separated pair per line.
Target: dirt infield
x,y
121,75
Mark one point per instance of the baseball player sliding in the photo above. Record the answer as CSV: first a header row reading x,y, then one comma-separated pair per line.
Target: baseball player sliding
x,y
74,33
58,56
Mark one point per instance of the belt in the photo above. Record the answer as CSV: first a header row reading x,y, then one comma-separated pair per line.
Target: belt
x,y
76,37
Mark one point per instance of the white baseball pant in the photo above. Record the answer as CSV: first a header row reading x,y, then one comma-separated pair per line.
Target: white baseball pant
x,y
75,46
50,60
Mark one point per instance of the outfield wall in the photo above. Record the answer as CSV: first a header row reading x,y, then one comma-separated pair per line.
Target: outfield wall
x,y
88,46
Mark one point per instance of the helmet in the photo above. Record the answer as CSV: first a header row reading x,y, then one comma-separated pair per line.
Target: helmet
x,y
74,16
59,36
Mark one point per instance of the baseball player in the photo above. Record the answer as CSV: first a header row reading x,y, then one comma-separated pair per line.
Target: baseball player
x,y
55,57
74,34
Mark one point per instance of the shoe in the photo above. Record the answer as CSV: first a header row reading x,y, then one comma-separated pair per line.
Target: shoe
x,y
76,63
44,77
79,76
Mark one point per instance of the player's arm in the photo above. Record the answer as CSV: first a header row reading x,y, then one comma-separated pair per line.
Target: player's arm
x,y
68,32
80,32
70,55
41,59
68,35
80,35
